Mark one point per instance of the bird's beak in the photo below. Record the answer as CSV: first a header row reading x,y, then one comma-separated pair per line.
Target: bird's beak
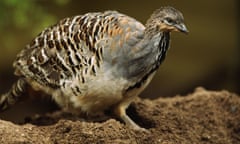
x,y
182,28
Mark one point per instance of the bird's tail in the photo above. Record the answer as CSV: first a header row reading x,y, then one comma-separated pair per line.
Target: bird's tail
x,y
13,95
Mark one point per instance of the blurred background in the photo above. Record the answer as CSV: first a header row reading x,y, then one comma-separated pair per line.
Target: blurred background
x,y
209,56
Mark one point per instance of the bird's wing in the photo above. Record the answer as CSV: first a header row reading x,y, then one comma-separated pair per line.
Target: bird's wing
x,y
76,46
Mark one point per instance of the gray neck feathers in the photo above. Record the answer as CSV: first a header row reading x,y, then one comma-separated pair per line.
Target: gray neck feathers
x,y
154,51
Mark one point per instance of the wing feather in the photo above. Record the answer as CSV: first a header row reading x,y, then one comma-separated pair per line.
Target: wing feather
x,y
76,47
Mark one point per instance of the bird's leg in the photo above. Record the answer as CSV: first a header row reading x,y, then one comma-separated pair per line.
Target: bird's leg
x,y
120,111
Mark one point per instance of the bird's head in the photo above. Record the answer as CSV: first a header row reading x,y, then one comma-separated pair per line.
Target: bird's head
x,y
166,19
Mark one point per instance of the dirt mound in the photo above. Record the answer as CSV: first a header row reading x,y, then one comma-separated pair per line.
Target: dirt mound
x,y
207,117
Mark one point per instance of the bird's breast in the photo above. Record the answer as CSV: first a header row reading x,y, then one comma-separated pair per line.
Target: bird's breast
x,y
100,92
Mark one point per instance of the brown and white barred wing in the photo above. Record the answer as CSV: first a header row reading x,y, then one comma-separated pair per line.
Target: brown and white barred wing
x,y
70,53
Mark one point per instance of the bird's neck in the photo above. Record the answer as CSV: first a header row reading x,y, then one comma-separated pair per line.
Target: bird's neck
x,y
159,44
162,44
157,47
154,52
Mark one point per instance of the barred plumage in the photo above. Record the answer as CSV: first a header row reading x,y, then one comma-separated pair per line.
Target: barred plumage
x,y
96,61
16,93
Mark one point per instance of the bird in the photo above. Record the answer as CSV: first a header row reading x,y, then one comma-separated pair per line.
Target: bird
x,y
96,61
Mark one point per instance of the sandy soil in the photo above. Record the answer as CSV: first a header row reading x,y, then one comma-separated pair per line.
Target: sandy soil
x,y
207,117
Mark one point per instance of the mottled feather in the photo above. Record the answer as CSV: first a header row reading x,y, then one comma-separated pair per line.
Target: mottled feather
x,y
95,61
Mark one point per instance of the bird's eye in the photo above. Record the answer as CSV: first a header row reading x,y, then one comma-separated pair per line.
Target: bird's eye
x,y
169,20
